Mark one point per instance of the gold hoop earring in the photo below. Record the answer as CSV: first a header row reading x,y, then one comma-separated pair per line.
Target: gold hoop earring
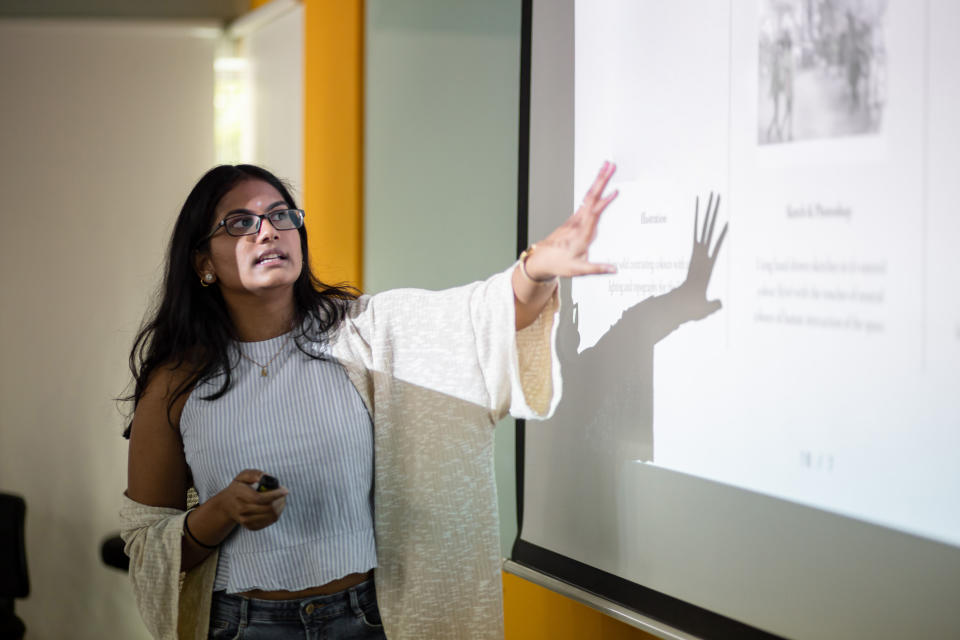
x,y
207,280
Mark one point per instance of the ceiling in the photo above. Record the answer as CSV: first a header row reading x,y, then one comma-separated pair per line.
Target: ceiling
x,y
224,10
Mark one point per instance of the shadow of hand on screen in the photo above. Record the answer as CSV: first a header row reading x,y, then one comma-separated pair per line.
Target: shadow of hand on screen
x,y
621,363
690,298
614,424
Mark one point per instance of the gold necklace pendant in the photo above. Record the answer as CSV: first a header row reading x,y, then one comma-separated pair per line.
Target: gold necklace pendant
x,y
263,367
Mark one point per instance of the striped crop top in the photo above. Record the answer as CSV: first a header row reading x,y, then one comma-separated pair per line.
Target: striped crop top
x,y
304,423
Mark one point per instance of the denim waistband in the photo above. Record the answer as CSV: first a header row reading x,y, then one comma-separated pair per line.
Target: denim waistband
x,y
355,599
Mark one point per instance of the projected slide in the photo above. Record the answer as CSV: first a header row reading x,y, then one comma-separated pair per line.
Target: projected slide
x,y
805,343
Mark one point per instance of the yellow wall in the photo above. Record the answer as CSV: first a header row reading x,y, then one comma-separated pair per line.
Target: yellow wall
x,y
333,138
531,612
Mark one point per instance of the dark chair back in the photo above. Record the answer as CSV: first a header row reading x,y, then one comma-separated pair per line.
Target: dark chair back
x,y
14,580
112,553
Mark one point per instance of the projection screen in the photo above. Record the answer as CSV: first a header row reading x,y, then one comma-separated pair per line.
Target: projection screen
x,y
760,426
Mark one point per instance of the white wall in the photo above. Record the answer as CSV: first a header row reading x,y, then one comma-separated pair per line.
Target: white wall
x,y
442,100
104,127
275,53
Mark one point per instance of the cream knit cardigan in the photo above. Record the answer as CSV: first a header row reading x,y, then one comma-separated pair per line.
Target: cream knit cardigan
x,y
437,370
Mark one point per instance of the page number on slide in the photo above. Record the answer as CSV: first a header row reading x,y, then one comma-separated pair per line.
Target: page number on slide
x,y
816,461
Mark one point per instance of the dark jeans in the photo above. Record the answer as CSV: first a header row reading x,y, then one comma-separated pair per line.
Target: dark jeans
x,y
351,614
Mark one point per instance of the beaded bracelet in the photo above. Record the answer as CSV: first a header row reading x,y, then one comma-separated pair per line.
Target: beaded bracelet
x,y
186,528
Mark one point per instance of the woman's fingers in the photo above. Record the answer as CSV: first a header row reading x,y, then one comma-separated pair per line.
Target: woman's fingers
x,y
588,231
564,251
606,201
249,476
599,185
596,188
255,516
584,268
254,509
279,505
260,521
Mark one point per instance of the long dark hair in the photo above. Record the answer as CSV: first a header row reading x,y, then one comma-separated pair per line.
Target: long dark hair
x,y
190,330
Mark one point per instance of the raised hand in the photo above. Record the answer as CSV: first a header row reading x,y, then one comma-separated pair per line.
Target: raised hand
x,y
693,290
564,251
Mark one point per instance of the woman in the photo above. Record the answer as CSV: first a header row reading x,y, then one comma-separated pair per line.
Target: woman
x,y
251,366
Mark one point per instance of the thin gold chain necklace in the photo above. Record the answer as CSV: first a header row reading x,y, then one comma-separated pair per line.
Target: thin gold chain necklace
x,y
263,367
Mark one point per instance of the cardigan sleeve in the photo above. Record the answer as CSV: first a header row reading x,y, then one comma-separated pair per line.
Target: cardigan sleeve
x,y
172,604
458,342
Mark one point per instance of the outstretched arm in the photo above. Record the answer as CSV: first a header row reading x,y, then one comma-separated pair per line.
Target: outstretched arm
x,y
563,253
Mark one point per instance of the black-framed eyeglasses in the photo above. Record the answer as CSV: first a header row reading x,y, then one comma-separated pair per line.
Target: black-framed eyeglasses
x,y
246,224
